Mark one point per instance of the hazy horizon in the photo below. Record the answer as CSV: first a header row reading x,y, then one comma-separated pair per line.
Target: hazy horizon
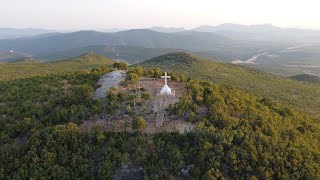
x,y
115,29
126,14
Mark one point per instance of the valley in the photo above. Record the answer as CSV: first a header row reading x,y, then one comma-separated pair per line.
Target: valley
x,y
277,61
296,52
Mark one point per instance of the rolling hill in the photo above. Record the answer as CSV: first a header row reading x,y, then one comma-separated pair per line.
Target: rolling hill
x,y
88,59
306,78
288,92
10,55
21,69
29,60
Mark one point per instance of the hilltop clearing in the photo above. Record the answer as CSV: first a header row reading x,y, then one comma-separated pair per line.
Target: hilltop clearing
x,y
140,99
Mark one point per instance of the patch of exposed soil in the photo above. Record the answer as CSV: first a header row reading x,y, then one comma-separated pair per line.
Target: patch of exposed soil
x,y
152,109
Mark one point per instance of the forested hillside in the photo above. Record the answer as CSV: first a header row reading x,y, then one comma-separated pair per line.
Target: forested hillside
x,y
244,136
32,105
29,67
237,136
298,95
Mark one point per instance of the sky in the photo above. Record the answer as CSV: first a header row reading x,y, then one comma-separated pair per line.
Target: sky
x,y
106,14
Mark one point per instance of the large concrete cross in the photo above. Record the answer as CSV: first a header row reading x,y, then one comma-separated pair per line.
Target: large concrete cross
x,y
165,78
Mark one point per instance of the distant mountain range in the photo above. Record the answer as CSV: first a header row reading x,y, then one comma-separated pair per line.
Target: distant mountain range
x,y
196,41
281,48
167,29
131,54
237,27
237,31
263,32
6,33
137,45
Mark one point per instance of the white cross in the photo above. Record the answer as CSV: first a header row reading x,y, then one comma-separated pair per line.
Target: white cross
x,y
165,78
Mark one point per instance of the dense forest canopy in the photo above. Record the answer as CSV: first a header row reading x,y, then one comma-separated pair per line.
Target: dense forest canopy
x,y
237,136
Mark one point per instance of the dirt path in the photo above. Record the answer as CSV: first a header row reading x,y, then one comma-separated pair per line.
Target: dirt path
x,y
107,81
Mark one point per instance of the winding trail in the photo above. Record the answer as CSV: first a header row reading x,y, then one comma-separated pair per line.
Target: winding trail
x,y
252,60
107,81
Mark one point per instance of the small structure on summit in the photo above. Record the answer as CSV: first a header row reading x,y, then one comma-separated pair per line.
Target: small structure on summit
x,y
165,89
163,99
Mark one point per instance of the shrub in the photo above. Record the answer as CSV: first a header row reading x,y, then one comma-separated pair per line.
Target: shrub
x,y
136,70
122,96
139,123
146,96
132,77
121,65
